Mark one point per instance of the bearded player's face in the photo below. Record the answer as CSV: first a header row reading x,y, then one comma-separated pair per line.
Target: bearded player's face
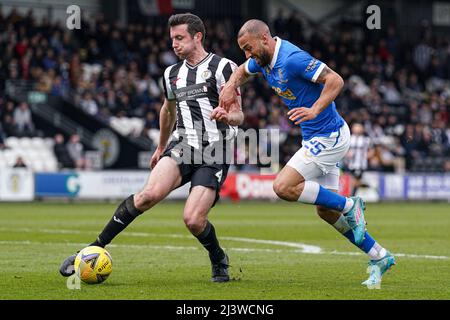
x,y
255,47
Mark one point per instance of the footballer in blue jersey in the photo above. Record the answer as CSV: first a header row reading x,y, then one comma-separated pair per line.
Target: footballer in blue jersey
x,y
309,87
293,75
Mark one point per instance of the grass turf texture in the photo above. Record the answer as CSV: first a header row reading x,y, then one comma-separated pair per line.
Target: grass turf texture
x,y
157,258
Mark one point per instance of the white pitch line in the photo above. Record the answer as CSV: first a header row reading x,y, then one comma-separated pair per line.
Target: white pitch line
x,y
136,246
300,247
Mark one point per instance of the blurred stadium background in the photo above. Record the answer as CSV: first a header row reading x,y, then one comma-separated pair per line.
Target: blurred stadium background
x,y
87,100
79,116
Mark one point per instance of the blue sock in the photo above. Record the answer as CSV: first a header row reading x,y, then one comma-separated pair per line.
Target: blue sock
x,y
330,199
367,243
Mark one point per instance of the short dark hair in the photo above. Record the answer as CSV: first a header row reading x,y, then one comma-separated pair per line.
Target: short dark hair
x,y
194,23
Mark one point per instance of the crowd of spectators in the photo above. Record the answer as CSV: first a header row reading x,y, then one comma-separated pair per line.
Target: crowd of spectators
x,y
400,91
16,119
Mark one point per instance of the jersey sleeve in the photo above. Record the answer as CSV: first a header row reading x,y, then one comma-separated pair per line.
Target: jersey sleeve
x,y
168,93
304,65
251,67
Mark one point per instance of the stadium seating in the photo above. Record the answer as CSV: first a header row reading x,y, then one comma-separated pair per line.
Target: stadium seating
x,y
127,126
37,153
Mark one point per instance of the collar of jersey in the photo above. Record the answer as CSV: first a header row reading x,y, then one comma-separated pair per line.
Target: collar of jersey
x,y
195,66
275,54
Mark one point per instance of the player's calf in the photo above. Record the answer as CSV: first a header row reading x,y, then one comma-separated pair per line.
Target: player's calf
x,y
125,213
217,256
328,215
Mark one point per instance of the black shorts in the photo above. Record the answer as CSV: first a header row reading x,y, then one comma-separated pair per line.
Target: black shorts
x,y
203,174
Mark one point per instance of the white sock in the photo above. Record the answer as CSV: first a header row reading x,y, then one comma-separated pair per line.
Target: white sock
x,y
310,192
341,225
377,252
348,205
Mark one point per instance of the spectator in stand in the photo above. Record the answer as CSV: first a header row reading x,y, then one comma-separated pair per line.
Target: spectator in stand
x,y
76,151
88,104
151,122
23,121
19,163
61,152
447,166
9,126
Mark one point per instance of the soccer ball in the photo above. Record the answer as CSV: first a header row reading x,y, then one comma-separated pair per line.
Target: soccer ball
x,y
93,264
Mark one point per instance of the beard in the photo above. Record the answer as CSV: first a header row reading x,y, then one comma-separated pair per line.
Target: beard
x,y
264,59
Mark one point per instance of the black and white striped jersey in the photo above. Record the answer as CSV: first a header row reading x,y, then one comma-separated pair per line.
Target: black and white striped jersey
x,y
359,148
196,91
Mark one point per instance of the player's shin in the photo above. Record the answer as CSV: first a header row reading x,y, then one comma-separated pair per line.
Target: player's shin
x,y
125,213
369,245
209,240
372,248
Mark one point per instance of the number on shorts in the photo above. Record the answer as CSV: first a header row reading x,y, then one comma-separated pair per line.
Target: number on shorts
x,y
316,147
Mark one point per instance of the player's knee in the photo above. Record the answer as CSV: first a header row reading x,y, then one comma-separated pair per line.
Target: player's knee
x,y
148,198
284,191
194,222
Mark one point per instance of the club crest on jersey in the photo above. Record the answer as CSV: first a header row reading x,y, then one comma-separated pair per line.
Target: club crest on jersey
x,y
206,74
177,153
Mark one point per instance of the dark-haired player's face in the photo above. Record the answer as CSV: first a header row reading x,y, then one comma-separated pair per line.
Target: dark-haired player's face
x,y
254,47
182,42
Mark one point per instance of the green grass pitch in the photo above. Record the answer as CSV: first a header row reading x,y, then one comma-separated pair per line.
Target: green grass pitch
x,y
277,251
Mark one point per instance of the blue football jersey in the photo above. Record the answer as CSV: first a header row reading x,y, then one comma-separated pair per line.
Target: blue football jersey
x,y
292,74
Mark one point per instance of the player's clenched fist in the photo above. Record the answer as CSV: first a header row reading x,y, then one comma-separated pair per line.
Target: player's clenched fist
x,y
219,114
227,97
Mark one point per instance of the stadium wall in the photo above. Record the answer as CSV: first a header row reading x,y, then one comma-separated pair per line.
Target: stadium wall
x,y
24,185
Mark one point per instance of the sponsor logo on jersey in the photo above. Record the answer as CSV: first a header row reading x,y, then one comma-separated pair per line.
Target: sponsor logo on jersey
x,y
174,81
312,65
287,94
192,92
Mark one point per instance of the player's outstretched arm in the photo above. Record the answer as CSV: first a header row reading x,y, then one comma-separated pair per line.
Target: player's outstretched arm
x,y
167,118
229,94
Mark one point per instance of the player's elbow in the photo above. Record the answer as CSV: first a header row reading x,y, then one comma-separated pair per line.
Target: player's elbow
x,y
339,82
